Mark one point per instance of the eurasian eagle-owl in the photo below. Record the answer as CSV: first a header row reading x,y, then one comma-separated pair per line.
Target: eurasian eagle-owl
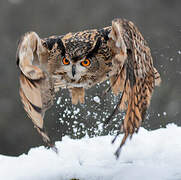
x,y
78,61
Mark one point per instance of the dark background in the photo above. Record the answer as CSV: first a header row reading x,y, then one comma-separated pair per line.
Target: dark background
x,y
158,20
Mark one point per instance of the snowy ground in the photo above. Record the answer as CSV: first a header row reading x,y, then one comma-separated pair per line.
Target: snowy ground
x,y
150,155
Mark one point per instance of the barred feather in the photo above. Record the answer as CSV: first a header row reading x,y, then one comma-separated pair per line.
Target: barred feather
x,y
36,87
36,97
136,78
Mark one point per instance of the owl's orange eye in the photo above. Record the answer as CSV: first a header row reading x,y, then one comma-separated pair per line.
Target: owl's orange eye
x,y
65,61
85,62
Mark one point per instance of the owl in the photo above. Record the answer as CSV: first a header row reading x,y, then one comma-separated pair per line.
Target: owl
x,y
78,61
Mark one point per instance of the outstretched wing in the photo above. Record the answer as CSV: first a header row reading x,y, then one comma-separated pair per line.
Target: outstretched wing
x,y
136,76
36,87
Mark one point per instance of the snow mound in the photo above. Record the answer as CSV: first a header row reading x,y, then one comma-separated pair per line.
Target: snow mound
x,y
150,155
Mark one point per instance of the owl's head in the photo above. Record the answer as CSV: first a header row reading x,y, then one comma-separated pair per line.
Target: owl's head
x,y
82,57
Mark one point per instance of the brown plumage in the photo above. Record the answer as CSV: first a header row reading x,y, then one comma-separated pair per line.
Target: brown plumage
x,y
78,61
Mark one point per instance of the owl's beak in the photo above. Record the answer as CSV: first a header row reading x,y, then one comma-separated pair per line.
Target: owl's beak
x,y
73,70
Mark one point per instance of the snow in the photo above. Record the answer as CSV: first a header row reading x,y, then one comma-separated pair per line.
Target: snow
x,y
150,155
179,52
58,100
96,99
76,111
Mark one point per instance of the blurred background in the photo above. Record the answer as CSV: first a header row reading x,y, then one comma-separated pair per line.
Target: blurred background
x,y
158,20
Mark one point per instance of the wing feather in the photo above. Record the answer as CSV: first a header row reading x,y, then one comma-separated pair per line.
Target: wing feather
x,y
36,86
36,96
136,77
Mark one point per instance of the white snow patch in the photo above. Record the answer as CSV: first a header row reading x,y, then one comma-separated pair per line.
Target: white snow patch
x,y
171,59
97,99
88,113
150,155
58,100
76,111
